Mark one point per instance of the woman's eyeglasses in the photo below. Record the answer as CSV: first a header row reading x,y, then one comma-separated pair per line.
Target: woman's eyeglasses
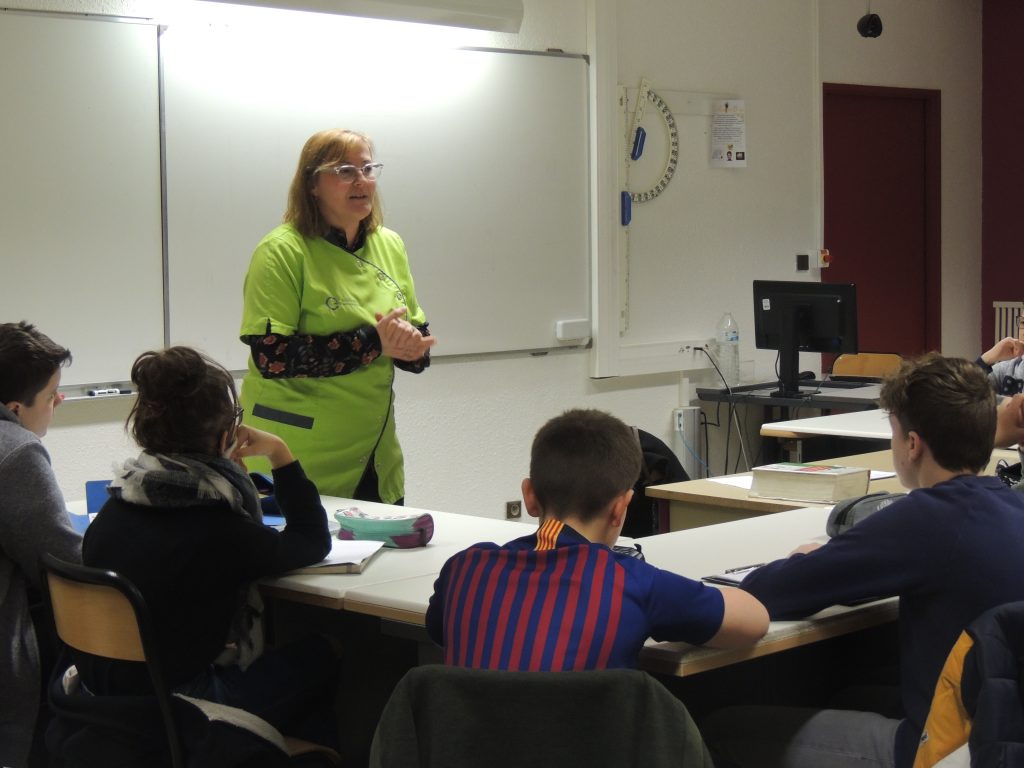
x,y
349,173
239,412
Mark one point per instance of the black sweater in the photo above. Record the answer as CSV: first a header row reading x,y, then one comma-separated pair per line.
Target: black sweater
x,y
191,565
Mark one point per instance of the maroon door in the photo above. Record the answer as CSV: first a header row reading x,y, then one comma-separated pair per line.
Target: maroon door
x,y
881,190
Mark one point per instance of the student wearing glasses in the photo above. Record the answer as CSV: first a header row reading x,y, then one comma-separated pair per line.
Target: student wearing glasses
x,y
329,311
183,524
1004,362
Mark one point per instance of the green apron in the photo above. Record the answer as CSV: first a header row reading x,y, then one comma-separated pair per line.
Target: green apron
x,y
333,425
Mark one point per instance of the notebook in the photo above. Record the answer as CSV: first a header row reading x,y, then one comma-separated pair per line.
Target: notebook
x,y
345,557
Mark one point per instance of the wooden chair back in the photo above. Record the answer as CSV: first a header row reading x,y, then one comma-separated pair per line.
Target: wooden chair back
x,y
868,364
95,619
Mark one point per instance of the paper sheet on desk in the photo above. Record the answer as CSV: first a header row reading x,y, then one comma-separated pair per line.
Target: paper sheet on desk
x,y
349,552
744,481
736,481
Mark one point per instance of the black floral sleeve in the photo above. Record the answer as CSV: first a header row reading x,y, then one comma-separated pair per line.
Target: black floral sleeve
x,y
307,356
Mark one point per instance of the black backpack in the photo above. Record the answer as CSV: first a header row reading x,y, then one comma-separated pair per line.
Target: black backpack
x,y
660,465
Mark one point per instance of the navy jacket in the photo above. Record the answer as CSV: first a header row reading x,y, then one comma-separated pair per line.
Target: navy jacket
x,y
949,552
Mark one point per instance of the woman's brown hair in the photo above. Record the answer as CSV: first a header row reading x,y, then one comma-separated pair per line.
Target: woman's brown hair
x,y
185,402
324,148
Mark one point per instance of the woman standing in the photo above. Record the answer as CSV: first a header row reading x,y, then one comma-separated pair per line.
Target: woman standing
x,y
329,312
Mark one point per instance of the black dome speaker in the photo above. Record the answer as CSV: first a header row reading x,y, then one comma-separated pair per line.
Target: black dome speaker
x,y
870,25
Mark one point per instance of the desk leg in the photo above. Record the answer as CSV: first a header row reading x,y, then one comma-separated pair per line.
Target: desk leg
x,y
794,447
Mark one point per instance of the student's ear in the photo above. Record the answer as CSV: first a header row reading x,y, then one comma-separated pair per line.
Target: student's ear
x,y
226,444
14,406
619,507
915,446
530,498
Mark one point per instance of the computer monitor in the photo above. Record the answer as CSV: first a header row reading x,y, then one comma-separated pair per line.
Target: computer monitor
x,y
794,317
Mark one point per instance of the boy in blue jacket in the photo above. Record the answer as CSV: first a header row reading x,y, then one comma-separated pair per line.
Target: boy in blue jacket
x,y
953,548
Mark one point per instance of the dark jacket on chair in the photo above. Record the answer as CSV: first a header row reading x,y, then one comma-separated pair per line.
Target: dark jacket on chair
x,y
980,693
452,717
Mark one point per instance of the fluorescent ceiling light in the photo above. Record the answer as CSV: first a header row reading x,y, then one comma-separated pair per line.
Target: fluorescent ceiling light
x,y
496,15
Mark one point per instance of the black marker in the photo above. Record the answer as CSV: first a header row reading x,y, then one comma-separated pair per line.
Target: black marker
x,y
112,391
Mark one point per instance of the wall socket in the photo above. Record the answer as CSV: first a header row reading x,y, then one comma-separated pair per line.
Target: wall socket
x,y
513,510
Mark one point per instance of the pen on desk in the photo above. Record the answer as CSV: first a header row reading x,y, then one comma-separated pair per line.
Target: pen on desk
x,y
739,568
111,391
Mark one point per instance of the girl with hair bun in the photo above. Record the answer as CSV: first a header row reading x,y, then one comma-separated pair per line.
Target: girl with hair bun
x,y
183,523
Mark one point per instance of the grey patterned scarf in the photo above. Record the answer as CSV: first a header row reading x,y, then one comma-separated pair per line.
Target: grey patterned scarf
x,y
185,480
189,480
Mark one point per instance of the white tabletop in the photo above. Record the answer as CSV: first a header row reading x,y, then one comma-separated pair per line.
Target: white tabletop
x,y
872,424
452,533
699,552
867,392
694,553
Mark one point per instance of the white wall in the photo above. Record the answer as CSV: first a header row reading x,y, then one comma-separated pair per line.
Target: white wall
x,y
929,44
467,424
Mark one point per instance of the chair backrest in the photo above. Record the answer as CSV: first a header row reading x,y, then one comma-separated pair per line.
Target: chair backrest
x,y
976,716
101,613
452,717
874,364
660,465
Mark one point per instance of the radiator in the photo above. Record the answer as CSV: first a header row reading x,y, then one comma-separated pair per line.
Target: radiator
x,y
1007,314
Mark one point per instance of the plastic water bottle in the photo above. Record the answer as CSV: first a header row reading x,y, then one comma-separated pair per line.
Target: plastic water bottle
x,y
728,337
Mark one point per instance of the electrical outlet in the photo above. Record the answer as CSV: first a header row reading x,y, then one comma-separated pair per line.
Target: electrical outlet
x,y
513,510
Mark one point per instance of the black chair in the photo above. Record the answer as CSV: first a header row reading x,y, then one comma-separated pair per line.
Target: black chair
x,y
101,613
660,465
453,717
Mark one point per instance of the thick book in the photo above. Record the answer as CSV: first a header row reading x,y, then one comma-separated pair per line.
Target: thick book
x,y
809,482
345,557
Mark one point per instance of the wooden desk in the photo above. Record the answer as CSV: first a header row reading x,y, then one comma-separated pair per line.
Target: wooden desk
x,y
705,502
697,503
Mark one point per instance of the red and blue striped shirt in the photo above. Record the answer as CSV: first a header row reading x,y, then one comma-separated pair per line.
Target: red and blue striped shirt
x,y
556,601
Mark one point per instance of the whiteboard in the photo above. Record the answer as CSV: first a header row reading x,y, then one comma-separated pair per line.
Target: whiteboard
x,y
80,188
485,176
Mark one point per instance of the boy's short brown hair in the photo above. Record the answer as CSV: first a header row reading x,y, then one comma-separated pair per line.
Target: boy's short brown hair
x,y
28,358
582,460
950,403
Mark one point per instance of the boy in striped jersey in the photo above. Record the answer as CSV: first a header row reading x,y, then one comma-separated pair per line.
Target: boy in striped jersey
x,y
563,599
